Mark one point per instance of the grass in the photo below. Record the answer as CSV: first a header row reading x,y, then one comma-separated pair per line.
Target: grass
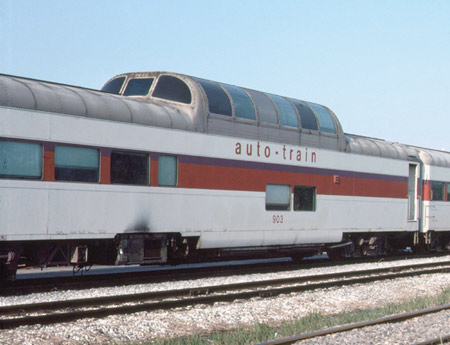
x,y
315,321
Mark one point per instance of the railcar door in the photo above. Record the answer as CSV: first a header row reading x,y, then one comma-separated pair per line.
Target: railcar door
x,y
413,200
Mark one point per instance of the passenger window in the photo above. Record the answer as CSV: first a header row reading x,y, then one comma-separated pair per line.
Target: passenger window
x,y
114,86
278,197
129,168
167,171
138,87
20,160
307,117
304,198
172,89
437,191
218,100
326,121
243,105
448,191
288,115
77,164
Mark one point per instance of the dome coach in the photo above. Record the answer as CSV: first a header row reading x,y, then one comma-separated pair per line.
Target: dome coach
x,y
165,168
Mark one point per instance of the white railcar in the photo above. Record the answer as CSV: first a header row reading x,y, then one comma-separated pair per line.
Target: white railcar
x,y
163,168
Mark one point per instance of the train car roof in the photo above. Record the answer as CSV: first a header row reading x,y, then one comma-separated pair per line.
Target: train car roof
x,y
220,108
18,92
183,102
434,157
382,148
177,101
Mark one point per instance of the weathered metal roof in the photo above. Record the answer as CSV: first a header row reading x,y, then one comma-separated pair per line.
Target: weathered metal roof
x,y
240,112
63,99
209,107
205,106
387,149
434,157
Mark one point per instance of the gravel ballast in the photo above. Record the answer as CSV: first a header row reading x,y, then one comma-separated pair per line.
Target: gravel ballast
x,y
221,316
401,333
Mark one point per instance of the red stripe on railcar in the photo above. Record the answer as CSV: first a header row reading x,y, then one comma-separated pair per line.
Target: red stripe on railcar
x,y
245,179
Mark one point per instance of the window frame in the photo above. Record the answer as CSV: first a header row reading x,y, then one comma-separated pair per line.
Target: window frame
x,y
74,147
323,116
275,207
131,153
222,103
241,102
176,171
131,80
313,202
435,184
157,82
306,116
124,81
40,158
282,104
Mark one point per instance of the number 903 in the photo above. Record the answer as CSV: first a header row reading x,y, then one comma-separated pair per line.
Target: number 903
x,y
277,219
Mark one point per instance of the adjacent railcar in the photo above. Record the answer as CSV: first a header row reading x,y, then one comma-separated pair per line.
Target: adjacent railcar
x,y
161,167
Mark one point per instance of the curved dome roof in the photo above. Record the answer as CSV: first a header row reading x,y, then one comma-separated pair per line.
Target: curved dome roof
x,y
236,111
64,99
387,149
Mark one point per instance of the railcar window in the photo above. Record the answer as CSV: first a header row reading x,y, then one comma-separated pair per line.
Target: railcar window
x,y
138,87
167,171
218,101
278,197
437,191
20,160
288,115
78,164
448,191
326,121
307,117
114,86
129,168
266,109
172,89
243,105
304,198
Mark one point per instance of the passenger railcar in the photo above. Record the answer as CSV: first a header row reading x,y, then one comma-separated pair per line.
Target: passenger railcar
x,y
161,167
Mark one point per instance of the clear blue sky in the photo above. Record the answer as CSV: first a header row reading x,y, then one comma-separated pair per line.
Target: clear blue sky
x,y
382,66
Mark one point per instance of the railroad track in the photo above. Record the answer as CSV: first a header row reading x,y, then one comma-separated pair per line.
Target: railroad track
x,y
362,324
35,285
79,282
70,310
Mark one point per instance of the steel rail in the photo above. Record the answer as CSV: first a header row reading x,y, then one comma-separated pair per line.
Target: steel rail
x,y
187,299
206,290
92,280
362,324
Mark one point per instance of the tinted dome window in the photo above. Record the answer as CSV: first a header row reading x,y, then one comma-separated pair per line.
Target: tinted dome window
x,y
138,87
172,89
307,116
114,86
288,116
243,105
325,119
217,98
